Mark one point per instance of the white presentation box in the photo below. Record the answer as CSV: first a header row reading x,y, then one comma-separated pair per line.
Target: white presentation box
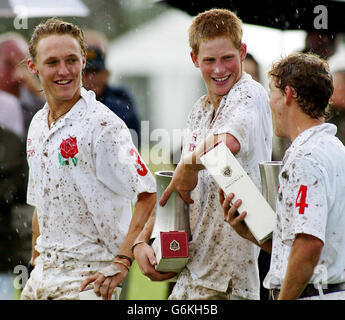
x,y
231,177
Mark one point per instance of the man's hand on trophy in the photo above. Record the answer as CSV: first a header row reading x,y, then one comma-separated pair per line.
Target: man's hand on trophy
x,y
184,180
146,259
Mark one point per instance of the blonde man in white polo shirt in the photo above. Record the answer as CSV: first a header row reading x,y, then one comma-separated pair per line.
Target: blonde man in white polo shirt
x,y
308,245
84,173
235,110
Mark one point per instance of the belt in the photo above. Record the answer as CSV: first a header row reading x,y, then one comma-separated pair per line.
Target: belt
x,y
310,290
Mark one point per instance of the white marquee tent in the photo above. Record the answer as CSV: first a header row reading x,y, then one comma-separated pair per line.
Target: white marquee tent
x,y
159,52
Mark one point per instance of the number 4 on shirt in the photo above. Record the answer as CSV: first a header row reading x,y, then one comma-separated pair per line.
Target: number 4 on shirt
x,y
301,197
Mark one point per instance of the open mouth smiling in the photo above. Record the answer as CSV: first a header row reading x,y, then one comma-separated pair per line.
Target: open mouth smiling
x,y
63,82
219,80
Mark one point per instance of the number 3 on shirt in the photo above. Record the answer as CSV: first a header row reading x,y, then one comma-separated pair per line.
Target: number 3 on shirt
x,y
142,172
301,197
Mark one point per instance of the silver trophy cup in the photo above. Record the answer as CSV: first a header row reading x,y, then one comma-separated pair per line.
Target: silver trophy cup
x,y
174,216
269,171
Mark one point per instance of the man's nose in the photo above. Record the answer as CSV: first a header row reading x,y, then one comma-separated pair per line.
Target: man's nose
x,y
219,67
63,69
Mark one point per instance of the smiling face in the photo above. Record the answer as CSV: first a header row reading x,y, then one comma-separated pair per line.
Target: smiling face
x,y
59,63
220,64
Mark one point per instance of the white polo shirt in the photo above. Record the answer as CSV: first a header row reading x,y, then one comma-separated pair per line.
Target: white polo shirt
x,y
311,200
83,189
218,256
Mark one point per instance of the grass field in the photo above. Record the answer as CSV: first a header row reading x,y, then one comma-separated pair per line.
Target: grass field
x,y
139,287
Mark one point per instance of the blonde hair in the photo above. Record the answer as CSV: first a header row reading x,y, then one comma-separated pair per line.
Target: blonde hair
x,y
55,26
215,23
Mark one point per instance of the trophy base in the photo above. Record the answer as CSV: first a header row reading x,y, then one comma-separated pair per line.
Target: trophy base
x,y
171,249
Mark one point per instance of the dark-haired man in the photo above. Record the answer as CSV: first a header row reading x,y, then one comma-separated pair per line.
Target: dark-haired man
x,y
308,245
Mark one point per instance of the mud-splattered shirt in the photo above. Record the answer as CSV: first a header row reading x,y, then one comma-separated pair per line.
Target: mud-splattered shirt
x,y
311,200
218,256
84,174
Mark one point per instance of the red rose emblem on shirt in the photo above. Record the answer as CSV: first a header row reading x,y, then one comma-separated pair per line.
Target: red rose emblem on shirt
x,y
68,149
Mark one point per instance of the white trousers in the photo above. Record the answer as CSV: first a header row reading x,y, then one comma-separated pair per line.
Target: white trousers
x,y
50,280
186,289
330,296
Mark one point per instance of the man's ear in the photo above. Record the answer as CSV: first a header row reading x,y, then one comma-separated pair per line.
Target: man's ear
x,y
290,94
243,51
32,67
194,59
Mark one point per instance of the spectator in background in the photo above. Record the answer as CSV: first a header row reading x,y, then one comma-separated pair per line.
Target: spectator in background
x,y
20,99
95,38
279,144
12,164
251,66
11,115
321,42
15,78
96,77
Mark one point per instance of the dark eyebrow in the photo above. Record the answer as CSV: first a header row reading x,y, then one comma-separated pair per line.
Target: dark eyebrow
x,y
72,55
49,59
207,58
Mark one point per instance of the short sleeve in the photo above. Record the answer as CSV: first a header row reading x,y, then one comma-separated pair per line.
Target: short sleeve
x,y
237,117
305,201
119,165
31,187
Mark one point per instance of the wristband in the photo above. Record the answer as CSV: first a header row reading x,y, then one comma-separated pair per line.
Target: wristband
x,y
138,242
120,262
122,256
